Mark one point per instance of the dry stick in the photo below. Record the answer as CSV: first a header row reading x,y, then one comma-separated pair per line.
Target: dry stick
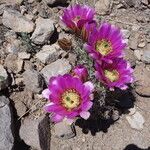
x,y
29,110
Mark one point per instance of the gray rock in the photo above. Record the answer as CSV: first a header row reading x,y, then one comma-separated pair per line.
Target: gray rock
x,y
48,54
133,40
33,81
6,132
126,33
64,131
16,21
138,54
52,2
12,2
146,56
36,133
136,121
142,81
20,108
61,66
13,46
103,7
13,63
43,31
24,55
4,82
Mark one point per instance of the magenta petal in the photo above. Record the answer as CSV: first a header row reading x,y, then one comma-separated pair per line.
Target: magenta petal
x,y
57,118
85,114
89,85
46,93
87,105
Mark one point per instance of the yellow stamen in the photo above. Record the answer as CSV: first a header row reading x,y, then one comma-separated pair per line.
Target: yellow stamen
x,y
103,47
70,99
112,75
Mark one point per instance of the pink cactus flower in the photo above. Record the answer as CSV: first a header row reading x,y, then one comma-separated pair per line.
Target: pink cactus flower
x,y
118,74
69,98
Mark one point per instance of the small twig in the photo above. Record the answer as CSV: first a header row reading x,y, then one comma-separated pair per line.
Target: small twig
x,y
29,110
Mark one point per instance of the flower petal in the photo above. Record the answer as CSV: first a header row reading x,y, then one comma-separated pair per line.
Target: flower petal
x,y
89,85
46,93
85,114
57,118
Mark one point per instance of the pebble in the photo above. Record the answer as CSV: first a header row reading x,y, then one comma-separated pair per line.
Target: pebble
x,y
138,54
16,21
136,121
146,56
24,55
142,44
103,7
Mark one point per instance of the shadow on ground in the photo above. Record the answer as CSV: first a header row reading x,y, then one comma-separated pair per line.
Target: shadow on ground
x,y
107,108
134,147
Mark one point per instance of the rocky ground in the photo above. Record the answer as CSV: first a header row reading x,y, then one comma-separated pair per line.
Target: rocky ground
x,y
35,45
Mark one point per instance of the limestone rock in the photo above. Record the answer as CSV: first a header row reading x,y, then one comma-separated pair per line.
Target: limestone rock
x,y
103,7
43,31
136,121
36,133
61,66
33,81
6,128
48,54
16,21
4,82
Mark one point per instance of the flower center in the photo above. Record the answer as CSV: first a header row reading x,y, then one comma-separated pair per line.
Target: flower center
x,y
70,99
112,75
103,47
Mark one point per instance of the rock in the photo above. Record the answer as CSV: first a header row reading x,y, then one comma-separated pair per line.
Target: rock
x,y
141,44
19,65
142,75
136,121
133,40
61,66
103,7
36,133
16,21
4,82
146,56
13,63
132,111
10,62
13,46
72,58
145,2
43,31
12,2
20,108
138,54
48,54
129,55
33,81
6,128
64,131
24,55
126,33
53,2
